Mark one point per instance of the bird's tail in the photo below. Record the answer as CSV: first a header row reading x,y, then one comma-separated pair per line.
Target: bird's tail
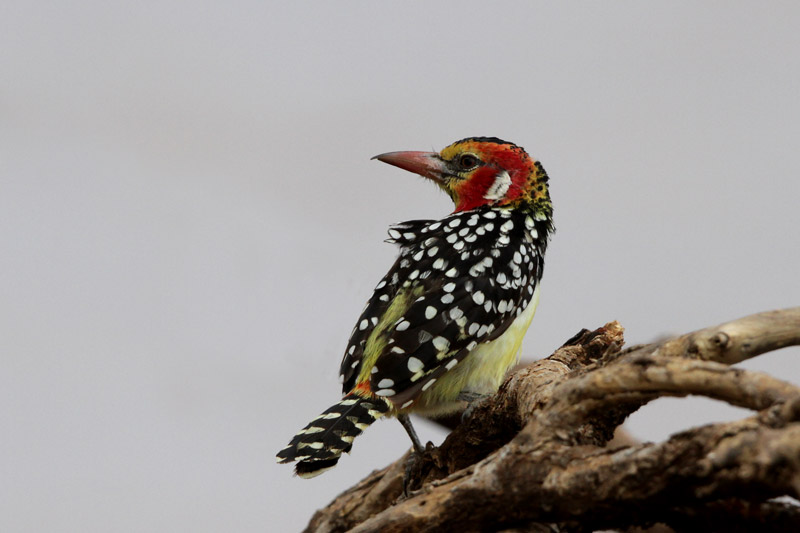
x,y
318,446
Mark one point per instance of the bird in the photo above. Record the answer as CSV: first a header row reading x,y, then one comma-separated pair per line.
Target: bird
x,y
445,324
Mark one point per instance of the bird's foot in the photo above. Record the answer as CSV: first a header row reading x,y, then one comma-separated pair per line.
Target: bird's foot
x,y
473,399
417,467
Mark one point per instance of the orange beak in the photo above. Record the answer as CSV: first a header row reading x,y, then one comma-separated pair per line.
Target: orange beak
x,y
426,164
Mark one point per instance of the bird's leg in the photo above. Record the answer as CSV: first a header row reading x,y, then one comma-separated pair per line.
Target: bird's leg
x,y
411,433
415,461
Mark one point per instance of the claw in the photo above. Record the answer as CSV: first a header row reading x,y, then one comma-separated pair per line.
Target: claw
x,y
473,400
418,465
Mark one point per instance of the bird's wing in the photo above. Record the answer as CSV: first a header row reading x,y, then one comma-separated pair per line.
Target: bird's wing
x,y
382,296
434,307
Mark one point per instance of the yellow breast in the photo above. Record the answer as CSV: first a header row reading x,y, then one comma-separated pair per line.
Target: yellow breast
x,y
482,371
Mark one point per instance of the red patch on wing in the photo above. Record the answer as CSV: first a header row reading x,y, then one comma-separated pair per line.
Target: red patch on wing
x,y
362,389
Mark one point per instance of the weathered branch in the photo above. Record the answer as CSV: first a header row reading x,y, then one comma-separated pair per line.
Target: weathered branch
x,y
738,340
534,453
592,486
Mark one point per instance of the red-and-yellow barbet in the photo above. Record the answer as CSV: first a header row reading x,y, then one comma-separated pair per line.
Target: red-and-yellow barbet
x,y
446,323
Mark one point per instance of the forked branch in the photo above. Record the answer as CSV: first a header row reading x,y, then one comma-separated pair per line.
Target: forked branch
x,y
535,453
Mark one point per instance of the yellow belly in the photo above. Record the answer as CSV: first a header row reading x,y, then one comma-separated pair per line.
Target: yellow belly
x,y
482,371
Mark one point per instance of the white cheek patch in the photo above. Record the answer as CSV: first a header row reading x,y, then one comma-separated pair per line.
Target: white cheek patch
x,y
499,188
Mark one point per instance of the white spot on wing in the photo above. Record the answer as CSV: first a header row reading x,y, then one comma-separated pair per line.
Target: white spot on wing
x,y
414,364
440,343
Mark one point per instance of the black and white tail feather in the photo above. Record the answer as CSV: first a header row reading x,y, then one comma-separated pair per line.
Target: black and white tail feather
x,y
319,445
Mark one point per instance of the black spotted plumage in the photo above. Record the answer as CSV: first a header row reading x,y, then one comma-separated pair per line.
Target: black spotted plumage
x,y
447,321
330,434
476,272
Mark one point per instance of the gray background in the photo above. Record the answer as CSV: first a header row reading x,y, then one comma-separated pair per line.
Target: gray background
x,y
190,222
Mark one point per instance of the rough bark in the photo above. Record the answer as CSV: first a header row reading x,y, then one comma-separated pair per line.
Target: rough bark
x,y
535,457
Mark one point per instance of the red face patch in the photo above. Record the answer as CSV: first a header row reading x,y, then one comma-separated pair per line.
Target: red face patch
x,y
472,192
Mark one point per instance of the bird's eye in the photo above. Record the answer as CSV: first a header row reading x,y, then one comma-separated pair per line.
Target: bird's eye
x,y
467,162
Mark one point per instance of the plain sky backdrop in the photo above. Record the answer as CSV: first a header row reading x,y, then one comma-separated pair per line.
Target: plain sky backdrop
x,y
190,222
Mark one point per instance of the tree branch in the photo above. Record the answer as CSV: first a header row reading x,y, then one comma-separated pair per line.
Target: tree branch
x,y
534,453
736,341
595,487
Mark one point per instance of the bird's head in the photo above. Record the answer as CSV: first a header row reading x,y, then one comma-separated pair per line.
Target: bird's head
x,y
480,171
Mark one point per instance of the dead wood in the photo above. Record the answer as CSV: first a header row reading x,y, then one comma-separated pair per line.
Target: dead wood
x,y
535,456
